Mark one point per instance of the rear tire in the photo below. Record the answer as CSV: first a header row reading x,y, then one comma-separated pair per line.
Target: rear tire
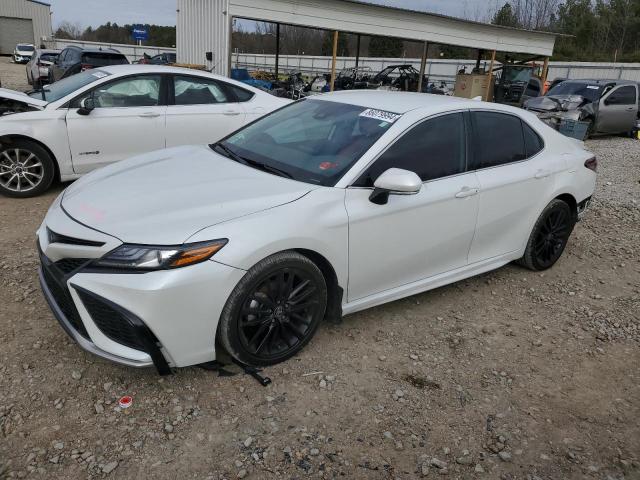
x,y
549,236
274,311
26,169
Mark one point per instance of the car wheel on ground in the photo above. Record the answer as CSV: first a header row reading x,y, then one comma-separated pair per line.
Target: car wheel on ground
x,y
549,236
26,169
274,310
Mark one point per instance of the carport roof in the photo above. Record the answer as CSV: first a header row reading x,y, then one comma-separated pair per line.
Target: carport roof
x,y
381,20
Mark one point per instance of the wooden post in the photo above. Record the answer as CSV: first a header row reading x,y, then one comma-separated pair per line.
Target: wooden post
x,y
545,71
333,59
493,59
423,64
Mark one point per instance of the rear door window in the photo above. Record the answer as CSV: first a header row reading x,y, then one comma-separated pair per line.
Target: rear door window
x,y
103,59
498,139
198,91
532,141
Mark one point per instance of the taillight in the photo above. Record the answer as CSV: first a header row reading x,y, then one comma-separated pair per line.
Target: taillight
x,y
86,66
592,164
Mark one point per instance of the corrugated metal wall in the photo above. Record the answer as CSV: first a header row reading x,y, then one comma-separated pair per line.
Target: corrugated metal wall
x,y
203,26
38,13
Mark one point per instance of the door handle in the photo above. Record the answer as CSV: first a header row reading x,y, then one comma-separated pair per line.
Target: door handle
x,y
467,192
542,174
149,115
231,112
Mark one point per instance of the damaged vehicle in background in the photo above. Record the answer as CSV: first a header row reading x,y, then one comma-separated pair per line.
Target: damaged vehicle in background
x,y
602,106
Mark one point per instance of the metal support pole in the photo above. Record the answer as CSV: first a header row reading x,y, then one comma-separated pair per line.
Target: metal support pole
x,y
277,49
423,64
333,59
358,51
490,76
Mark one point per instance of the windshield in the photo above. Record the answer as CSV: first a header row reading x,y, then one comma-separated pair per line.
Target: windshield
x,y
590,92
313,141
68,85
49,57
26,48
517,74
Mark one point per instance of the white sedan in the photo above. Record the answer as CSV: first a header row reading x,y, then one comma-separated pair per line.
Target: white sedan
x,y
108,114
333,204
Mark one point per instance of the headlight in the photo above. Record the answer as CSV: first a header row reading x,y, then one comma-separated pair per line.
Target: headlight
x,y
147,257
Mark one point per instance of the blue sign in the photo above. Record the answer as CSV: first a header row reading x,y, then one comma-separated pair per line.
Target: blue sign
x,y
140,32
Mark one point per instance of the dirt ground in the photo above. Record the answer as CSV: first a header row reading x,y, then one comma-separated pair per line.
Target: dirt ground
x,y
13,75
510,375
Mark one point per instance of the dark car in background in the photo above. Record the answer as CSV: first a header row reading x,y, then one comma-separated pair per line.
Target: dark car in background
x,y
77,59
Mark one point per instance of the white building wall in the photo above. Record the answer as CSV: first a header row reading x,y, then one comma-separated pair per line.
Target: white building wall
x,y
204,26
39,13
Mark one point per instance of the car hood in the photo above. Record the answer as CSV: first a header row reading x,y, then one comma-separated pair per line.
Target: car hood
x,y
164,197
555,103
7,94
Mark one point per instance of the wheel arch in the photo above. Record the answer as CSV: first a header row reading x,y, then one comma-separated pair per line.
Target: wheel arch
x,y
571,201
7,139
335,292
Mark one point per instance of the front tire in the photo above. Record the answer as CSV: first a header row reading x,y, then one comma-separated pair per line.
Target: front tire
x,y
274,311
549,236
26,169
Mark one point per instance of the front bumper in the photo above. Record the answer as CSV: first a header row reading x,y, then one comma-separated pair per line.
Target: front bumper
x,y
164,318
21,59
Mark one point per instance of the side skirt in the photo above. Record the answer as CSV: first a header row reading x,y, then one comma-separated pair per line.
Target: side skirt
x,y
429,283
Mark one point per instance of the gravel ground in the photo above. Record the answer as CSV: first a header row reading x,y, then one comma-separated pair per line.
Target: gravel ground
x,y
13,75
510,375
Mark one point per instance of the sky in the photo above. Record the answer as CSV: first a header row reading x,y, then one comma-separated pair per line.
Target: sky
x,y
163,12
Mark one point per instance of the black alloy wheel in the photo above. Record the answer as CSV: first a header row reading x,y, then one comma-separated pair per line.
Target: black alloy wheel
x,y
275,310
549,236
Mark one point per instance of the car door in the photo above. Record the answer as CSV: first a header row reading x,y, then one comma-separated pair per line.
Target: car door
x,y
128,119
413,237
618,110
201,110
516,177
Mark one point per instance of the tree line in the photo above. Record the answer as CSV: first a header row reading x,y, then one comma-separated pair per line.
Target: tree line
x,y
159,36
600,30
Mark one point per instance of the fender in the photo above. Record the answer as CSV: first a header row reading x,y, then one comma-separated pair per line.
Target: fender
x,y
46,127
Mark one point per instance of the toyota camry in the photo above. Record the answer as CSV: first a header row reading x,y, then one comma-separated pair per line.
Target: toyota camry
x,y
327,206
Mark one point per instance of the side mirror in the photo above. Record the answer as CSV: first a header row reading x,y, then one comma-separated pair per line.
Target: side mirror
x,y
86,106
394,181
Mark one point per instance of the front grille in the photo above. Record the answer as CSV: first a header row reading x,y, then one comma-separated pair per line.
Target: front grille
x,y
111,322
59,238
57,286
68,265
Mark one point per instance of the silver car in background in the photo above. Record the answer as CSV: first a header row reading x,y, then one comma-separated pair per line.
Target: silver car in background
x,y
609,106
38,66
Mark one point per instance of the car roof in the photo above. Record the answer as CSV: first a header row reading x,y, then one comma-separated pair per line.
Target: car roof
x,y
136,68
600,81
94,49
397,102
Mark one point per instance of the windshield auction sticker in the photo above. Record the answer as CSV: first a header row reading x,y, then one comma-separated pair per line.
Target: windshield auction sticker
x,y
380,115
